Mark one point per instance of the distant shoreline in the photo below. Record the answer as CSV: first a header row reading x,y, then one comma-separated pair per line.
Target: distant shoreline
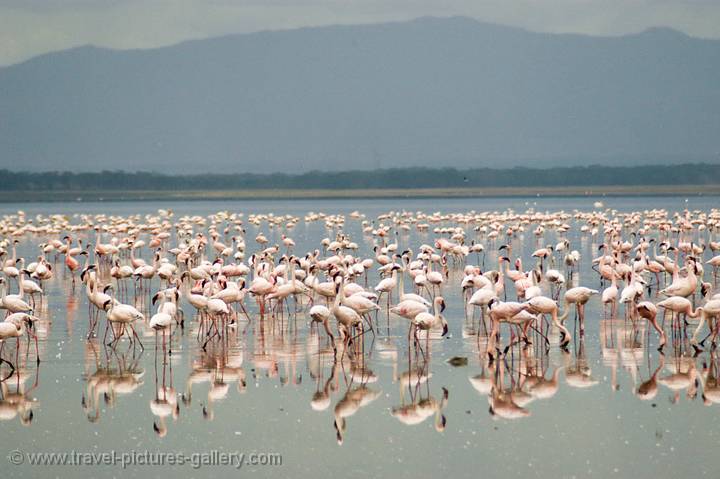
x,y
373,193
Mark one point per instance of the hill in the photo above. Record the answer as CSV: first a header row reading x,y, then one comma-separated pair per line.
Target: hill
x,y
433,92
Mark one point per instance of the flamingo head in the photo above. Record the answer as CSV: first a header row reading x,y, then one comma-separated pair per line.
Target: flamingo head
x,y
441,301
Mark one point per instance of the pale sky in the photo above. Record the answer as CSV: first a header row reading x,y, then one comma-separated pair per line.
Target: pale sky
x,y
32,27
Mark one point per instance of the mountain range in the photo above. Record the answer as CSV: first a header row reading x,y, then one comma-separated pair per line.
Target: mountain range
x,y
432,92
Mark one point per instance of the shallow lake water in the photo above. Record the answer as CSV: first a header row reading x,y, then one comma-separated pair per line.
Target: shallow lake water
x,y
273,387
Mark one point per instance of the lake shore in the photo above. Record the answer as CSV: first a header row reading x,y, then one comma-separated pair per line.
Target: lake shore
x,y
378,193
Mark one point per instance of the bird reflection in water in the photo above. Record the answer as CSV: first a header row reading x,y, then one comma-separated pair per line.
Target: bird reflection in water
x,y
621,342
514,381
578,373
321,400
416,382
709,380
508,401
355,397
165,403
682,376
351,368
648,389
118,374
220,364
15,397
540,381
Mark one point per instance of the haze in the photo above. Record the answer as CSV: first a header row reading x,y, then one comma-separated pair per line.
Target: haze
x,y
32,27
430,92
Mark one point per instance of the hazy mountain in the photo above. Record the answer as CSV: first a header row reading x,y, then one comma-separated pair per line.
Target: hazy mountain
x,y
430,92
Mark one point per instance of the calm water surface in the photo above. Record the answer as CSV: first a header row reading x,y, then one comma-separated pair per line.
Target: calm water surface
x,y
274,387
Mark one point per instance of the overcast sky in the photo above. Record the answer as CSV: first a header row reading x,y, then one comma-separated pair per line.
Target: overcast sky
x,y
32,27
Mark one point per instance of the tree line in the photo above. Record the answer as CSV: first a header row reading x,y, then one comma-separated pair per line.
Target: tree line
x,y
593,175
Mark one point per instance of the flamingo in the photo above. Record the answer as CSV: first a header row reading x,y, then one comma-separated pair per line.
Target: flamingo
x,y
579,296
424,321
680,305
124,315
321,314
648,311
13,303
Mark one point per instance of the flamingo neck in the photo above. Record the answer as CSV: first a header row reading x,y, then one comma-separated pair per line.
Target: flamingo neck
x,y
20,284
339,294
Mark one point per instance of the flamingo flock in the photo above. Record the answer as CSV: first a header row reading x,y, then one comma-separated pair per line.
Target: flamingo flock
x,y
164,276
